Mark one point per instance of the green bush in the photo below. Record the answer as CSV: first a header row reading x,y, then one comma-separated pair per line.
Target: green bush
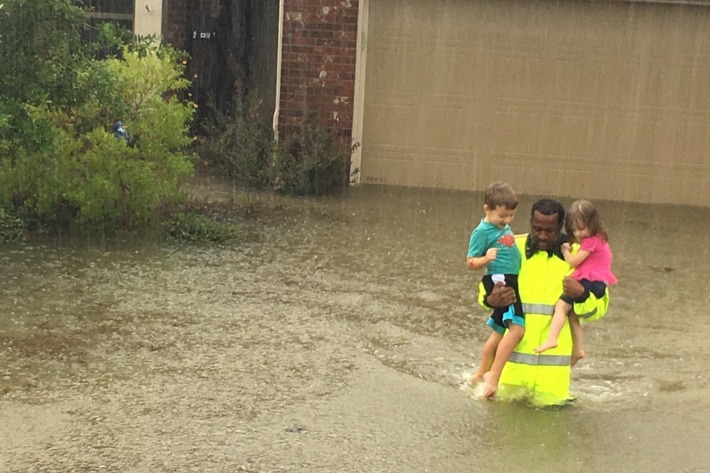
x,y
11,228
311,161
59,157
198,228
238,143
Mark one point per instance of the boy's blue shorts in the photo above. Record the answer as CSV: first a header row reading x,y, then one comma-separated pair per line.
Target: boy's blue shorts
x,y
508,317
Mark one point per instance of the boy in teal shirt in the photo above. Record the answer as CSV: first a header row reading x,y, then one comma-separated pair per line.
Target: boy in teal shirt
x,y
492,246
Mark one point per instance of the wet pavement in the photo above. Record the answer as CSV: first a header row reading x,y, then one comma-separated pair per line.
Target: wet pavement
x,y
337,338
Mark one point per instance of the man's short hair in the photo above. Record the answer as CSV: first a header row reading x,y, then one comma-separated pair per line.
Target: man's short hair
x,y
549,207
500,194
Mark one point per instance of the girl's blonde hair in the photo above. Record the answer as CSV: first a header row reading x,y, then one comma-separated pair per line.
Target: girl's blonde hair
x,y
583,213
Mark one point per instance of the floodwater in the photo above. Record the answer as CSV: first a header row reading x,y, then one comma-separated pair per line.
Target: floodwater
x,y
337,338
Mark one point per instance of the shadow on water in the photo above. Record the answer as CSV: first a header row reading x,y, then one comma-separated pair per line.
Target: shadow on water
x,y
337,339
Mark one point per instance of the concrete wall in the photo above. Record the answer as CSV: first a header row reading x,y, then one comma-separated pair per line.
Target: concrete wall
x,y
604,100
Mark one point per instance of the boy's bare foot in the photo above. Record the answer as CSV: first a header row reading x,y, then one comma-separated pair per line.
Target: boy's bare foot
x,y
491,386
475,379
576,356
545,346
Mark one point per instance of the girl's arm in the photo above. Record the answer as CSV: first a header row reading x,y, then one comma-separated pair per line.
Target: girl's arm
x,y
575,259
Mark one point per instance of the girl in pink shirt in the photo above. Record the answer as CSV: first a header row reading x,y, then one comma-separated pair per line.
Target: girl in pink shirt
x,y
592,263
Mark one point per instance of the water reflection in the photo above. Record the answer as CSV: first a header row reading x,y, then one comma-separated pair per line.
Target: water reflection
x,y
337,339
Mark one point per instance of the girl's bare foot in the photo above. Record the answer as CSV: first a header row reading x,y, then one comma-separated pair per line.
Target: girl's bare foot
x,y
576,356
476,378
491,386
546,346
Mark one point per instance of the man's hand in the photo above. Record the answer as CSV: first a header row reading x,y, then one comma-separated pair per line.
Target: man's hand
x,y
572,287
501,296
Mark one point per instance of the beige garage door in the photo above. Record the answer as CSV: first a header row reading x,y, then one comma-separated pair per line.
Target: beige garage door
x,y
603,100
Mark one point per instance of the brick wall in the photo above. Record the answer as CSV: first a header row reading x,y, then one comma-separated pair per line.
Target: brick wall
x,y
318,64
318,58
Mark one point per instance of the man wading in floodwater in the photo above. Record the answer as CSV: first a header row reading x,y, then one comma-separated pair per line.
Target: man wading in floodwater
x,y
544,276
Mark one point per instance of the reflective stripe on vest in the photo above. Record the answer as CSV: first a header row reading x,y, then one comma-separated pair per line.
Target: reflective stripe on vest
x,y
588,314
541,360
540,309
546,309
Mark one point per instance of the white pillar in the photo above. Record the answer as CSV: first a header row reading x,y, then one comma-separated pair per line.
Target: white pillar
x,y
359,99
148,18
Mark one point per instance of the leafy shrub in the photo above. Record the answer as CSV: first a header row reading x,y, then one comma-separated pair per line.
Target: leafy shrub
x,y
59,157
198,228
10,228
311,161
239,143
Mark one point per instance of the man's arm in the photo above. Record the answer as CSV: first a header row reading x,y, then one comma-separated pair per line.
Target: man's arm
x,y
500,296
592,308
572,288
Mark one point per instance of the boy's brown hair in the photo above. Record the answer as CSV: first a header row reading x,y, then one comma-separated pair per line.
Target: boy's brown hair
x,y
500,194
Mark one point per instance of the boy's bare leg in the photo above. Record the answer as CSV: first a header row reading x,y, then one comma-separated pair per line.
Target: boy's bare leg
x,y
577,338
489,353
558,321
505,348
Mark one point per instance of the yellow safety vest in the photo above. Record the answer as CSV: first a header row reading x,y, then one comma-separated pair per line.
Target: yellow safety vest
x,y
543,378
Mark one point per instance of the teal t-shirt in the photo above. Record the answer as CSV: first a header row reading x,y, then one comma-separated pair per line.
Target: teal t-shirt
x,y
485,236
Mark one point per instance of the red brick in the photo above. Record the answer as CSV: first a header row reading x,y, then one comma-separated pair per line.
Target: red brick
x,y
319,42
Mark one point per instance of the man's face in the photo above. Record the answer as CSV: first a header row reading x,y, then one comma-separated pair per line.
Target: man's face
x,y
544,230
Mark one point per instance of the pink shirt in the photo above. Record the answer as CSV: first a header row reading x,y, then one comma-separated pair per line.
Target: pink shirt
x,y
597,266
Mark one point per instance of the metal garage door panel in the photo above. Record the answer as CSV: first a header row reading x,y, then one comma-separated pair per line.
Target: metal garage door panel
x,y
596,100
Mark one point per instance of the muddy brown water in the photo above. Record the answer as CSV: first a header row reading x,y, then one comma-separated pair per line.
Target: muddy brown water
x,y
336,338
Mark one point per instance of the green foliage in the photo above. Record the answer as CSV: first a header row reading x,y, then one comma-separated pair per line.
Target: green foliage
x,y
238,143
59,158
311,161
41,49
198,228
10,228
